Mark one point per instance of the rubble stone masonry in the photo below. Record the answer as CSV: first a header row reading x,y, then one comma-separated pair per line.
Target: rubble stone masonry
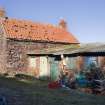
x,y
2,49
17,53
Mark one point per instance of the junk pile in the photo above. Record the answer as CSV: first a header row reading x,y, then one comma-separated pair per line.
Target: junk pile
x,y
89,82
98,81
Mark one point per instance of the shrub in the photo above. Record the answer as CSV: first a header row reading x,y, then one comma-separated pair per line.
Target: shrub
x,y
24,76
5,74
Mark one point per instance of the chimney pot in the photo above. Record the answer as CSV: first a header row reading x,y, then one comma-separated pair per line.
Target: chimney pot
x,y
63,24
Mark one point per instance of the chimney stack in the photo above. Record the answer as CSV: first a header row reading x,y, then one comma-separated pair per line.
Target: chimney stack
x,y
2,12
63,24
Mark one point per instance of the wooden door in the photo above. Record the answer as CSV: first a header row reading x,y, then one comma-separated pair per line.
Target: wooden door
x,y
33,66
43,67
54,69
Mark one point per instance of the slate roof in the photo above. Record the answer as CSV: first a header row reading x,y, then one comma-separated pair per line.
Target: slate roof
x,y
27,30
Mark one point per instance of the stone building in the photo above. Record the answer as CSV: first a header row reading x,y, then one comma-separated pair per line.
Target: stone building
x,y
22,41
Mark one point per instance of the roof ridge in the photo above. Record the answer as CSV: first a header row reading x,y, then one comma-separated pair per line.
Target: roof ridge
x,y
35,22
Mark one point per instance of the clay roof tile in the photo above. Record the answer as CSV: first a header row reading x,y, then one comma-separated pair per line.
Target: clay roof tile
x,y
22,29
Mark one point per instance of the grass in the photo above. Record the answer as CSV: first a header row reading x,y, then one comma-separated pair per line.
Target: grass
x,y
36,92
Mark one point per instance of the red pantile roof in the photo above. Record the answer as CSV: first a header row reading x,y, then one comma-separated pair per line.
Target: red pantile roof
x,y
27,30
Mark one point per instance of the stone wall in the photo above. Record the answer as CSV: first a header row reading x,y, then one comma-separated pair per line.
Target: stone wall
x,y
2,48
17,53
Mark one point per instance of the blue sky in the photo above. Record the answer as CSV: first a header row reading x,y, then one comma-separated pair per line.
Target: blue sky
x,y
85,18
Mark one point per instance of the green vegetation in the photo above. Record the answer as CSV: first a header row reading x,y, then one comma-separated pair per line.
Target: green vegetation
x,y
35,92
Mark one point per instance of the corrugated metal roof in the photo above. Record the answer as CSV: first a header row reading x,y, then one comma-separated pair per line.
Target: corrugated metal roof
x,y
55,50
73,49
84,48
